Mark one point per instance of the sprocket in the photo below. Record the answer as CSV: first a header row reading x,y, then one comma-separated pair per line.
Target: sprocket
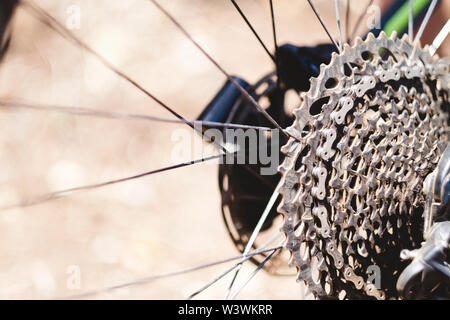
x,y
370,129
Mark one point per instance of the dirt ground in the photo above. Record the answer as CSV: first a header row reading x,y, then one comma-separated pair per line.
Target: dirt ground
x,y
157,224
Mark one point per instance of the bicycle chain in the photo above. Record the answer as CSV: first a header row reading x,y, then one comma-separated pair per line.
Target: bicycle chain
x,y
352,184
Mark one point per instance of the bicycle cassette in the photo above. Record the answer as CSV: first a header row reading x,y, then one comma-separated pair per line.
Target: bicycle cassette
x,y
370,129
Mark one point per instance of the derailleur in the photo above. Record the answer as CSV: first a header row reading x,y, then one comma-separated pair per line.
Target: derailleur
x,y
428,275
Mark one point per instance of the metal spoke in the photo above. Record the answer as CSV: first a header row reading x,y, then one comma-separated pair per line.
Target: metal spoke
x,y
347,21
338,20
253,30
425,20
67,34
258,268
79,111
58,194
209,284
255,233
411,20
146,280
440,38
64,32
217,65
323,24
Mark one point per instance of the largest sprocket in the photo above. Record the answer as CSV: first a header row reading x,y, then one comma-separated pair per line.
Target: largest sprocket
x,y
370,129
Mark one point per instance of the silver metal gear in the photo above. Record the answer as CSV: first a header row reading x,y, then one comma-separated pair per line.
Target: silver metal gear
x,y
370,129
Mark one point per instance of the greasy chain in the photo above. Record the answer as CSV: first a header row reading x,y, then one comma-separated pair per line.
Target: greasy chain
x,y
368,132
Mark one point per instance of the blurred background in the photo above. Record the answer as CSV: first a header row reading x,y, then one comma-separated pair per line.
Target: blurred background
x,y
162,223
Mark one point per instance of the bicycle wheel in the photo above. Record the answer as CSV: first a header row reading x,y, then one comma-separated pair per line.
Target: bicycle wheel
x,y
111,231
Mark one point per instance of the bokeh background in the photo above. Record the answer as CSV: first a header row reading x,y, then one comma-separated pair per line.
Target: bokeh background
x,y
162,223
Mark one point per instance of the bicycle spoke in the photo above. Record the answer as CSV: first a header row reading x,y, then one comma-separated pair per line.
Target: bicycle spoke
x,y
253,30
425,20
171,274
217,65
358,22
440,38
323,24
79,111
258,268
209,284
411,20
444,269
275,42
58,194
338,20
272,239
347,21
255,233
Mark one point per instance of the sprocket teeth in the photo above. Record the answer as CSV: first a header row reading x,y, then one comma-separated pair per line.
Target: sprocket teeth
x,y
382,35
347,47
405,38
394,35
391,109
371,36
357,42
